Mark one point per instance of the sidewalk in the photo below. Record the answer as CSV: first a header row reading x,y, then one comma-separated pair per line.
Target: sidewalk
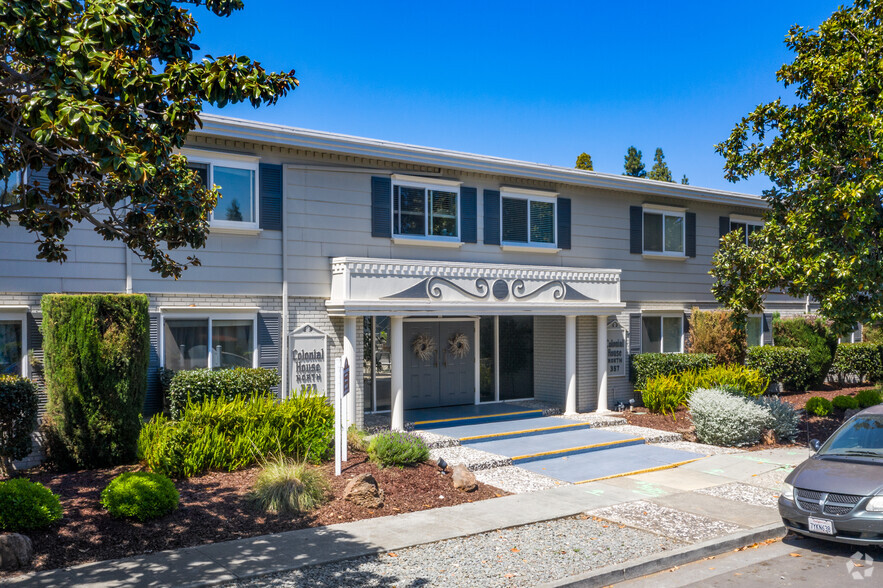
x,y
734,492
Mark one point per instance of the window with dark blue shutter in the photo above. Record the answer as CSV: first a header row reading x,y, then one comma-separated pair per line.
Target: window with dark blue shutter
x,y
469,214
564,223
271,197
153,401
492,217
381,207
723,226
514,220
269,342
528,220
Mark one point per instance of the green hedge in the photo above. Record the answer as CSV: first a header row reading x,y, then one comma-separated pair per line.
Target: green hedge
x,y
860,360
867,398
647,365
217,434
790,366
96,354
813,334
18,419
199,385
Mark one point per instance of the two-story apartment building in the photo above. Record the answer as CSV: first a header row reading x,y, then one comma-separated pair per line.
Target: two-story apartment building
x,y
443,278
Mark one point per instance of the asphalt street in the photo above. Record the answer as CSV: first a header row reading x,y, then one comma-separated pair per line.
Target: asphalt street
x,y
793,561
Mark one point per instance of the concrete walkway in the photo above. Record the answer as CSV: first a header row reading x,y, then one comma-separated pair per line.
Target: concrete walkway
x,y
675,490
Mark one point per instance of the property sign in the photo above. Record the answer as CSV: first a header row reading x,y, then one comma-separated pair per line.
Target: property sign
x,y
309,364
615,349
346,377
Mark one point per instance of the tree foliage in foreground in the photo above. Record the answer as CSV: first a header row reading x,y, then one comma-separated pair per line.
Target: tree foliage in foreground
x,y
822,152
100,94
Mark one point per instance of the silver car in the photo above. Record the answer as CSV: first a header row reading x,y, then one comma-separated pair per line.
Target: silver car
x,y
837,494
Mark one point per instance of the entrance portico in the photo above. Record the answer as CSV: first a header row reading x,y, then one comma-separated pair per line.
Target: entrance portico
x,y
435,311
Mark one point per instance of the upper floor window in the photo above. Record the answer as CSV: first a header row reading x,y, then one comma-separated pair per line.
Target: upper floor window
x,y
662,334
426,208
748,226
527,218
663,232
237,180
216,341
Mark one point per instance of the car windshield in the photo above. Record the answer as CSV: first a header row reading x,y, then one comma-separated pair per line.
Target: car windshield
x,y
860,437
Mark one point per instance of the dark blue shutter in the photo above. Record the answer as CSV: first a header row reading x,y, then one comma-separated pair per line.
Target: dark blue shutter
x,y
492,217
636,229
564,223
153,401
271,197
724,226
381,207
687,339
767,329
35,357
269,342
469,215
634,339
690,232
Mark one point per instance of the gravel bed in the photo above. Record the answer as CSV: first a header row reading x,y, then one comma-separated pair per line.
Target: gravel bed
x,y
754,495
683,526
649,435
516,480
474,459
522,556
700,448
435,441
772,480
597,420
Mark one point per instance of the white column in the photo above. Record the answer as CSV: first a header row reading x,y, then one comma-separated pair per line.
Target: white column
x,y
349,353
397,357
602,365
570,364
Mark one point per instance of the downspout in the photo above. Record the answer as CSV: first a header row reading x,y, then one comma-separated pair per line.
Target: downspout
x,y
285,311
128,253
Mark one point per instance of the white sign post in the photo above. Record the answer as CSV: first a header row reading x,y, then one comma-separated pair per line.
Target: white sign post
x,y
341,389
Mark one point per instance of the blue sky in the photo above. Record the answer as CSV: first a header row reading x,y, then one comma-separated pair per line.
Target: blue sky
x,y
536,81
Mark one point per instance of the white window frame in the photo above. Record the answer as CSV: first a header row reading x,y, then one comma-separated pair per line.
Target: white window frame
x,y
747,221
21,316
209,316
530,196
426,184
661,316
752,316
664,211
247,162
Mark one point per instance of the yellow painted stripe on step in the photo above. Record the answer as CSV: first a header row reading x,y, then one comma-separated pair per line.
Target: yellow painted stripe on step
x,y
555,428
569,449
481,416
646,471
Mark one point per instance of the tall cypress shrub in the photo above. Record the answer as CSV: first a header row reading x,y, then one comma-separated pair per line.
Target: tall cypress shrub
x,y
96,355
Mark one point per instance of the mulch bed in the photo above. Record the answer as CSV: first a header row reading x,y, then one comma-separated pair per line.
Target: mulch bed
x,y
812,427
214,508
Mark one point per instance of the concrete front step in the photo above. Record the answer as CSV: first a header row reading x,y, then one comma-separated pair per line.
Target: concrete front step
x,y
523,449
474,433
440,420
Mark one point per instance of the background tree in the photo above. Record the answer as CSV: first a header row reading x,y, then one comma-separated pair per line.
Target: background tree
x,y
822,153
99,95
660,171
685,180
633,165
584,161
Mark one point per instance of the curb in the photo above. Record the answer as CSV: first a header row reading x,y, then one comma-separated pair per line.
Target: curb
x,y
651,564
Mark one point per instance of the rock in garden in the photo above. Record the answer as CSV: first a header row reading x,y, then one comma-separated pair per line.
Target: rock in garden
x,y
464,479
364,491
16,551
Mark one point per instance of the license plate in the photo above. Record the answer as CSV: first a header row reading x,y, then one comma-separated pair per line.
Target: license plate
x,y
823,526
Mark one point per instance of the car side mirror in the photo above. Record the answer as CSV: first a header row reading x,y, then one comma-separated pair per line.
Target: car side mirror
x,y
815,445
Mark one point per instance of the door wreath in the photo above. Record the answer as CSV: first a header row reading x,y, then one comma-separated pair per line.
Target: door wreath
x,y
423,346
458,345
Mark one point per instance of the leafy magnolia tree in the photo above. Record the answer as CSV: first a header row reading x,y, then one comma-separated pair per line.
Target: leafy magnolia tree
x,y
584,161
634,166
660,171
99,95
822,152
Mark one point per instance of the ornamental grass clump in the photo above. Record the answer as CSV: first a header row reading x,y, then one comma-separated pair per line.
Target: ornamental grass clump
x,y
397,448
141,496
289,487
868,398
728,420
26,506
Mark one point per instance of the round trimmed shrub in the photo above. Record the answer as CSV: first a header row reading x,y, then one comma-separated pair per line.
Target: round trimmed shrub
x,y
26,505
727,420
819,406
142,496
845,403
867,398
397,448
